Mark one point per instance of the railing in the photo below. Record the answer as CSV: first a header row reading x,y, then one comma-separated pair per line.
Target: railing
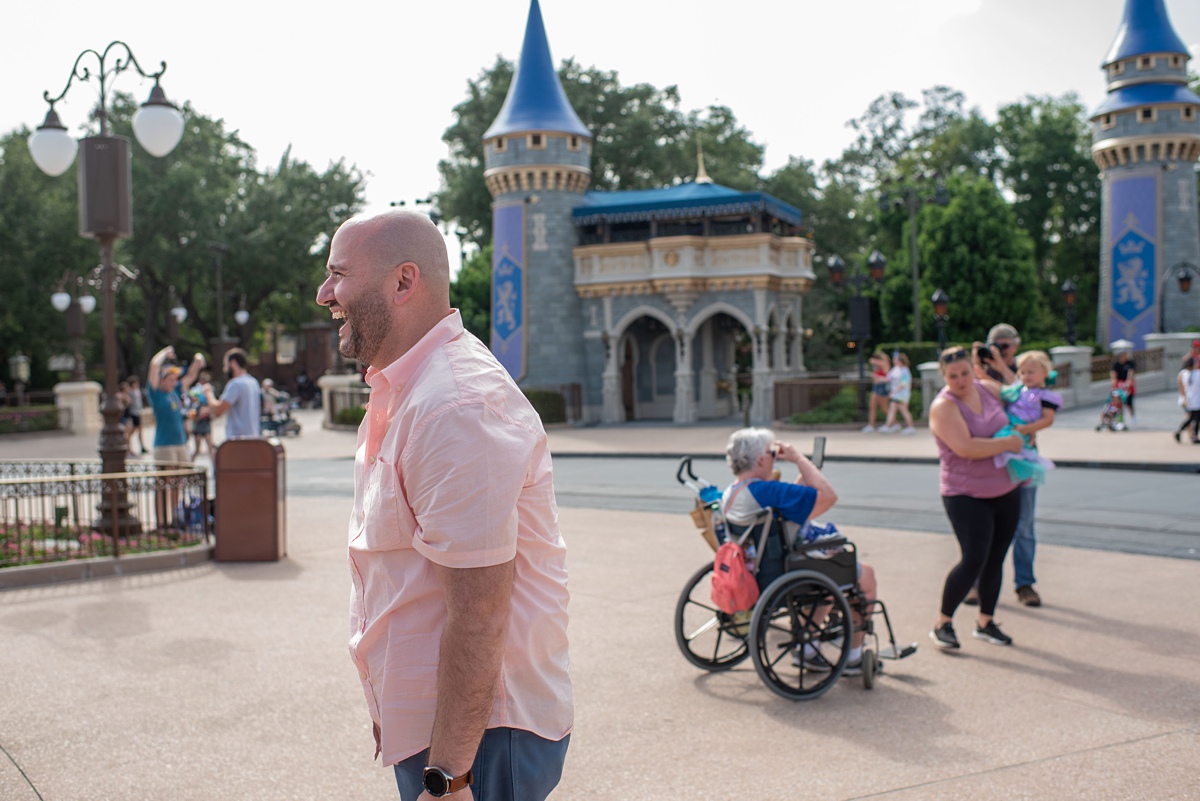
x,y
1063,379
802,395
1144,361
53,511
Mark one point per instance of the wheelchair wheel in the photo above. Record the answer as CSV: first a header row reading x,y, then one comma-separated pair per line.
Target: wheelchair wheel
x,y
868,668
800,635
709,638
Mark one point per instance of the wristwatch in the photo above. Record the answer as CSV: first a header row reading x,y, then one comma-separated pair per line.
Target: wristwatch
x,y
439,783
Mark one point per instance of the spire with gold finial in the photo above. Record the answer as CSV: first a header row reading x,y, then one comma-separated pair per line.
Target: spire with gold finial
x,y
701,173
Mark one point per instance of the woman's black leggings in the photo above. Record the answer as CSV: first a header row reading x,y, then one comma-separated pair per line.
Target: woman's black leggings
x,y
1193,420
985,528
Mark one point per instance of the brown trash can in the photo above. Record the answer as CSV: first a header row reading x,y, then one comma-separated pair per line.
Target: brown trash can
x,y
250,519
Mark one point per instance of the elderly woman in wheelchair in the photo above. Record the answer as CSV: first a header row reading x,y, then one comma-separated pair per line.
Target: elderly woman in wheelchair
x,y
813,590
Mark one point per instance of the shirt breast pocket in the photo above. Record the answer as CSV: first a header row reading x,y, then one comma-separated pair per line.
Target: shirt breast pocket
x,y
388,523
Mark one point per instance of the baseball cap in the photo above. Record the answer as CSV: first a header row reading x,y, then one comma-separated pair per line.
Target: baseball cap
x,y
170,370
1002,331
1196,343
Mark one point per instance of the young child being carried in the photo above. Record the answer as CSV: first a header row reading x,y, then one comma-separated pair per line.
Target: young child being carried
x,y
1030,407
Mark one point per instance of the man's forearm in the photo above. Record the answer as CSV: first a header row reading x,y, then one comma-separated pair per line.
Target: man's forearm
x,y
471,655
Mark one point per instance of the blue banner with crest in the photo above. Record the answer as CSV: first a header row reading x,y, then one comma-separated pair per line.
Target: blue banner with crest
x,y
508,289
1133,248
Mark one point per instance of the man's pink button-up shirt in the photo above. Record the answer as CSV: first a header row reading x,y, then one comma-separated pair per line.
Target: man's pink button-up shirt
x,y
453,468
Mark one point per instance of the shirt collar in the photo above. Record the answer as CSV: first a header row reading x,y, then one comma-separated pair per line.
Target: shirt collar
x,y
398,373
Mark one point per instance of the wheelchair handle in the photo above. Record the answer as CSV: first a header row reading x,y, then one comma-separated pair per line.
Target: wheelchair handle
x,y
685,464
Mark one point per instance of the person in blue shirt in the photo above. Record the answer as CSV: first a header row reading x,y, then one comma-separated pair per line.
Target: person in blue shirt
x,y
752,454
165,389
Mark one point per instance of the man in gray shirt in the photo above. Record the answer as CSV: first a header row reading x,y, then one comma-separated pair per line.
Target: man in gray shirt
x,y
242,398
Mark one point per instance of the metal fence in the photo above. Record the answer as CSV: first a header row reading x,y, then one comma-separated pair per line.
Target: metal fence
x,y
1144,361
52,511
802,395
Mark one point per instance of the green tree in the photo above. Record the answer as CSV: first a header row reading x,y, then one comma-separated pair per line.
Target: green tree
x,y
1048,168
39,242
643,140
972,248
471,293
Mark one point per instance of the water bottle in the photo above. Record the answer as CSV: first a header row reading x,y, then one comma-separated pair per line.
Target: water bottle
x,y
718,525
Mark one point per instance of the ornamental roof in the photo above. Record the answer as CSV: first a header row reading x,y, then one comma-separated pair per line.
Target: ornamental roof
x,y
675,202
1144,94
1145,28
536,100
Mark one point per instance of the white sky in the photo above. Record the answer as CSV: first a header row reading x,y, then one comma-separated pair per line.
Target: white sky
x,y
375,82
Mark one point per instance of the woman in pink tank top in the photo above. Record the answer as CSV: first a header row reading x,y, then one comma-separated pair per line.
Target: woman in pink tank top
x,y
981,501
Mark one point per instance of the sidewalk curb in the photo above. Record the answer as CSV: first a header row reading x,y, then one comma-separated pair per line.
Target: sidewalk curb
x,y
1083,464
12,578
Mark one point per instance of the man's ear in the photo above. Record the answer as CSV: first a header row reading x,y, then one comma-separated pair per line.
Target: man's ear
x,y
407,276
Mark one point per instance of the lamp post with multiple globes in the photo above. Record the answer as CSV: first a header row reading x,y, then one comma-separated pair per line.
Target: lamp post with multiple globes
x,y
106,214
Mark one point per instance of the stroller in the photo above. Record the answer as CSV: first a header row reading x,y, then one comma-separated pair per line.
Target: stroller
x,y
1113,416
277,415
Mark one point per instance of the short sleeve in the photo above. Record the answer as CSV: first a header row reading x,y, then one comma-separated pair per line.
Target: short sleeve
x,y
234,392
463,471
794,501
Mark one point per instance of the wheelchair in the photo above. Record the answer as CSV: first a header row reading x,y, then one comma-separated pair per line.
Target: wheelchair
x,y
799,632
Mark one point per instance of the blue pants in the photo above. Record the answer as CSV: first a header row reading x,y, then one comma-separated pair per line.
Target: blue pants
x,y
1025,542
510,765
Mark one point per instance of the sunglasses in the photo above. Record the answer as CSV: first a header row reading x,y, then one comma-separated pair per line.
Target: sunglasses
x,y
955,356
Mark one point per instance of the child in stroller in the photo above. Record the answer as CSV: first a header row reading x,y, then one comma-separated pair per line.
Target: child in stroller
x,y
1113,416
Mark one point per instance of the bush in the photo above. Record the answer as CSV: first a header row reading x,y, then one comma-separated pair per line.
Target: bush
x,y
350,417
841,408
28,418
550,405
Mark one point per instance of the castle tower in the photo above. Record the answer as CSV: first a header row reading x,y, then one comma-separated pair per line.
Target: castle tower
x,y
1146,140
537,156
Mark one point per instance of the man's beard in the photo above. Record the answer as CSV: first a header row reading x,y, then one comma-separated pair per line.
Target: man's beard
x,y
369,326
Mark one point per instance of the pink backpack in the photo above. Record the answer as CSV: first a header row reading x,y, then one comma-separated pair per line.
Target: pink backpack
x,y
734,588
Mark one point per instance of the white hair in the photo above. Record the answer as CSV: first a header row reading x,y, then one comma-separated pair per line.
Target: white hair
x,y
746,446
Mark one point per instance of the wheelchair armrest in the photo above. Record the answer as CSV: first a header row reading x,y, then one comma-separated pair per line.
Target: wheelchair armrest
x,y
820,544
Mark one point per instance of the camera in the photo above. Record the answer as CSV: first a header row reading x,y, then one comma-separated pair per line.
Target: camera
x,y
984,351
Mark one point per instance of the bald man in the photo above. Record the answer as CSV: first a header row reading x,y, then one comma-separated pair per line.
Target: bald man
x,y
459,606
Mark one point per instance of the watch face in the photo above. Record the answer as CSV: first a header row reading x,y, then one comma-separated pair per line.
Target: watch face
x,y
435,782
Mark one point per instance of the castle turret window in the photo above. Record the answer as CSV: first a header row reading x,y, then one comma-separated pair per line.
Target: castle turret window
x,y
1146,63
1106,122
1116,68
1189,113
1147,115
572,142
536,141
499,144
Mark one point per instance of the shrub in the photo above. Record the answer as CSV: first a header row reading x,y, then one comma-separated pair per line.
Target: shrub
x,y
549,404
29,418
350,417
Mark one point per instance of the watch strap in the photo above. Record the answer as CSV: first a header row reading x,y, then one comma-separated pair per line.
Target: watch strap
x,y
452,783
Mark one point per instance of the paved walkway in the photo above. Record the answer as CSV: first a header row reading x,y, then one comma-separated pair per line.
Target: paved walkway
x,y
233,681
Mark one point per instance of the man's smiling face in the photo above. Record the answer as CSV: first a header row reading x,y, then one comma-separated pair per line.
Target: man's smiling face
x,y
357,292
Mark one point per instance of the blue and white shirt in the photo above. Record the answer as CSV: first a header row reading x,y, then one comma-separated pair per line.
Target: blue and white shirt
x,y
745,501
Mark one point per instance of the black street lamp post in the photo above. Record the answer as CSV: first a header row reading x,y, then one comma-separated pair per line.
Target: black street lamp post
x,y
941,314
860,308
1183,272
75,307
911,199
106,214
1070,292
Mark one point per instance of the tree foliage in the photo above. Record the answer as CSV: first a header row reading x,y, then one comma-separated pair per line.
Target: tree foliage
x,y
275,223
643,140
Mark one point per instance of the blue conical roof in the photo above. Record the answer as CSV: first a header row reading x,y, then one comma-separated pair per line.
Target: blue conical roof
x,y
536,100
1145,28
